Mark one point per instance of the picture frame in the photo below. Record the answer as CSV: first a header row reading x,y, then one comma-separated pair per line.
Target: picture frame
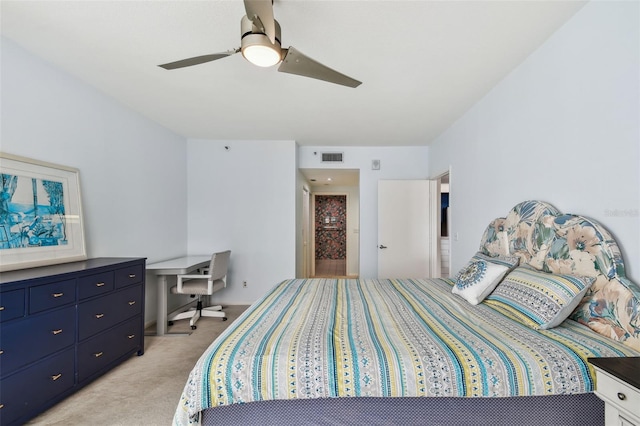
x,y
41,219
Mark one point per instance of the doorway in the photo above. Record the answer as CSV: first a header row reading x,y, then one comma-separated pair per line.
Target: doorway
x,y
330,223
330,182
444,225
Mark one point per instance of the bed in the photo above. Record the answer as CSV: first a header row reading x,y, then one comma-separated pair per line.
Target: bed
x,y
411,351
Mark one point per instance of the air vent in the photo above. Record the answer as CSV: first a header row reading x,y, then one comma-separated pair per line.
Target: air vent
x,y
332,157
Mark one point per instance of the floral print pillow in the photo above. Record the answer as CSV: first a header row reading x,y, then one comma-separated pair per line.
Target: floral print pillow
x,y
613,311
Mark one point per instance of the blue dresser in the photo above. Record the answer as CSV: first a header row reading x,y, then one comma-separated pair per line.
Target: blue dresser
x,y
62,326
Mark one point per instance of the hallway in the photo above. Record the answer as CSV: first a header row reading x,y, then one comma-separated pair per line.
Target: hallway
x,y
331,268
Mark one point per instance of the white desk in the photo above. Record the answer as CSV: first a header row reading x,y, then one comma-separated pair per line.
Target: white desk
x,y
178,266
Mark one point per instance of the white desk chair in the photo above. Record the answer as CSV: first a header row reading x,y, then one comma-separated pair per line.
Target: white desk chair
x,y
213,279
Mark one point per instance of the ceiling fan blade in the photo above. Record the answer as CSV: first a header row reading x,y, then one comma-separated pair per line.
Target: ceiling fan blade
x,y
197,60
260,12
296,63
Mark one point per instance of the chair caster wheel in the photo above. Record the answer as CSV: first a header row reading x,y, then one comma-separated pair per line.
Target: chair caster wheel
x,y
170,323
224,318
193,327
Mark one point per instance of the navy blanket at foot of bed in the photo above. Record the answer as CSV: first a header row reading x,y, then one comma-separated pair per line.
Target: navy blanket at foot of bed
x,y
558,410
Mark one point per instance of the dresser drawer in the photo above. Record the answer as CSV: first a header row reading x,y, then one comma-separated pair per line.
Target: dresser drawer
x,y
620,394
97,315
96,284
51,296
11,305
33,338
36,385
129,276
99,351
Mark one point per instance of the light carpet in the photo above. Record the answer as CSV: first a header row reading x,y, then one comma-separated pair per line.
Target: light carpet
x,y
143,390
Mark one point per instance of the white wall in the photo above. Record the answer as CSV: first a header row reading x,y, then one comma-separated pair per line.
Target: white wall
x,y
132,171
563,127
396,163
244,199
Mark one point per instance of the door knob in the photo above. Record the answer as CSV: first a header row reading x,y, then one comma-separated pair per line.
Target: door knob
x,y
382,246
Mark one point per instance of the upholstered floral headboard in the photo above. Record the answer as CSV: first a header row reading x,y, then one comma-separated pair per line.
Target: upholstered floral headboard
x,y
548,240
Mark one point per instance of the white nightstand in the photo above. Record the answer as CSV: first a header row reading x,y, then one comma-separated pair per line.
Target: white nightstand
x,y
618,385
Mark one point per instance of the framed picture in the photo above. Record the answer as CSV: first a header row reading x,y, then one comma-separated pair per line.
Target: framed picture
x,y
40,214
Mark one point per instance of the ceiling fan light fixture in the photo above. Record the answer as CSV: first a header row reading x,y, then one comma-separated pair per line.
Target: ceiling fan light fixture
x,y
257,49
261,45
256,46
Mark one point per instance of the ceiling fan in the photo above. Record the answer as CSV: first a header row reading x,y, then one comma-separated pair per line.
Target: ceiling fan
x,y
260,45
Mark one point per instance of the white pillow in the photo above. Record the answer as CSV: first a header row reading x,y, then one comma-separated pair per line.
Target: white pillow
x,y
483,273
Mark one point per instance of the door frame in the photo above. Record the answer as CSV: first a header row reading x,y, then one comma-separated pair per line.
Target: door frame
x,y
435,258
306,233
435,255
312,209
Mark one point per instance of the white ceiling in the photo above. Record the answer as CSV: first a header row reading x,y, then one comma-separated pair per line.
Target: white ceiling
x,y
422,63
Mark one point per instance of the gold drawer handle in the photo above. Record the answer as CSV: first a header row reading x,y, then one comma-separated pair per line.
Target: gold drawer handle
x,y
131,336
98,355
1,351
58,294
1,406
1,308
131,303
98,316
621,396
56,332
56,377
99,284
132,275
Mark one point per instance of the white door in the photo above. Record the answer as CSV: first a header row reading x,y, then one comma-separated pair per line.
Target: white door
x,y
403,229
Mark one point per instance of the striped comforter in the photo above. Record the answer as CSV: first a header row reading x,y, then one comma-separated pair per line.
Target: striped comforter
x,y
324,338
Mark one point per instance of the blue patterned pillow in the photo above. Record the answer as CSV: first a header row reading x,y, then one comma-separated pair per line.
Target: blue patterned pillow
x,y
538,299
481,275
